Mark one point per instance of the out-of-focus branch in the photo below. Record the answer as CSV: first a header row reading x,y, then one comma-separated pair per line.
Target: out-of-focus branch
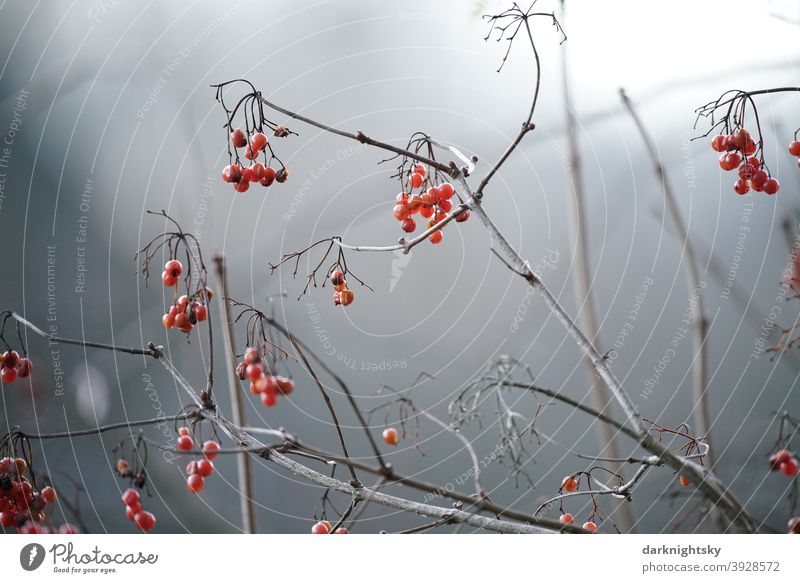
x,y
581,275
244,471
699,330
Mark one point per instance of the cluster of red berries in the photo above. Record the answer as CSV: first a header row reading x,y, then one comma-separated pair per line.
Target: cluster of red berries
x,y
21,506
570,484
784,462
325,527
341,296
197,470
433,203
185,311
737,152
134,512
568,518
12,366
390,436
262,383
241,176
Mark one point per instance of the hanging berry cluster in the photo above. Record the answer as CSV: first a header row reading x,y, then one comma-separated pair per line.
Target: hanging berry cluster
x,y
433,203
134,511
254,368
12,365
785,462
197,470
569,485
252,139
738,151
190,307
21,505
342,296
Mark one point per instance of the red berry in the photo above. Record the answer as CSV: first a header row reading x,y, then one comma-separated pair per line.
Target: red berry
x,y
168,321
7,375
569,484
420,169
132,511
445,205
24,367
346,297
436,237
49,494
10,358
771,186
402,198
256,171
285,386
210,448
195,483
242,185
409,225
267,383
741,186
446,191
168,278
254,372
415,180
185,443
248,153
130,497
462,216
414,203
400,212
750,148
269,399
390,436
794,148
683,480
238,138
205,468
183,431
269,177
174,267
231,173
566,518
321,528
789,467
341,530
729,161
145,520
718,143
740,138
746,171
426,211
201,313
759,178
252,355
590,526
337,278
258,141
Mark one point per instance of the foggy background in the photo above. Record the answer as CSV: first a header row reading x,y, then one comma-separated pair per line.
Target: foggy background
x,y
109,112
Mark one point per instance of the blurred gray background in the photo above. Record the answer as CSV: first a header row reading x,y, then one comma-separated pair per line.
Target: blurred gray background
x,y
106,111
